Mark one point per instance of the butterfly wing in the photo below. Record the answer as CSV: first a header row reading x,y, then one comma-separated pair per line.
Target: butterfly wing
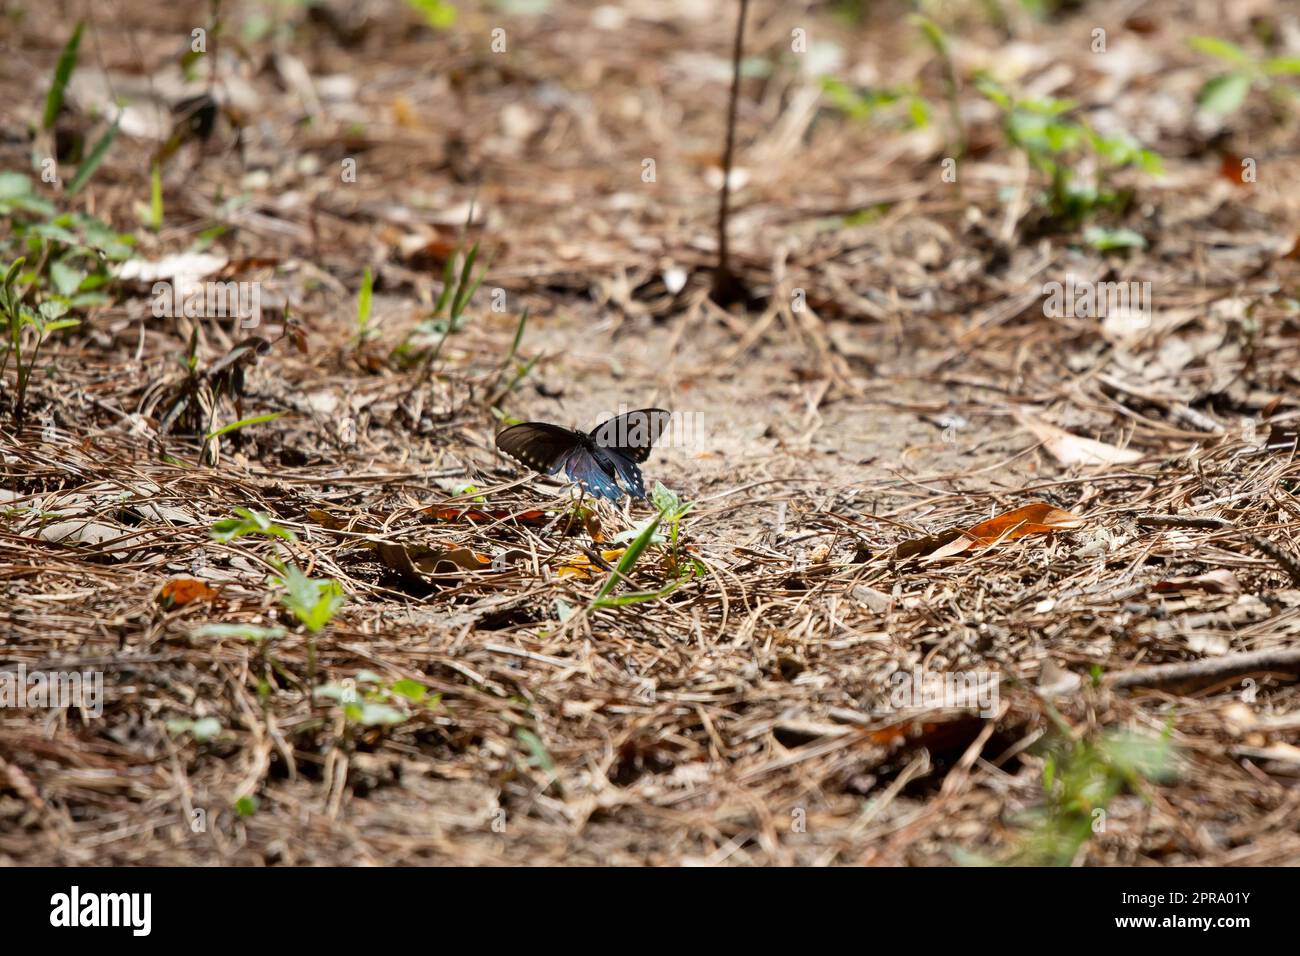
x,y
594,475
627,471
540,445
632,434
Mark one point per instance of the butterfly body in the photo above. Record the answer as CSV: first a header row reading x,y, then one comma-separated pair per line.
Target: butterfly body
x,y
605,461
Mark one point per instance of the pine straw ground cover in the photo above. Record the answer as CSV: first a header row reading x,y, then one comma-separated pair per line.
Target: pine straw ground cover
x,y
854,450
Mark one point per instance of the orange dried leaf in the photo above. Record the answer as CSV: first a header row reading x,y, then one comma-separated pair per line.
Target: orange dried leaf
x,y
475,515
1036,518
581,566
181,591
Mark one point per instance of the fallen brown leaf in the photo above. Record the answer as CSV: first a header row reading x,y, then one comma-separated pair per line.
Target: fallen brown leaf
x,y
182,591
1070,449
1035,518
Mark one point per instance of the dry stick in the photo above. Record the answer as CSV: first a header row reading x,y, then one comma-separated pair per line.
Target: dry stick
x,y
723,281
1182,521
1226,666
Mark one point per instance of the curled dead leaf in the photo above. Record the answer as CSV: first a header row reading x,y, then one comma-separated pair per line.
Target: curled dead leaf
x,y
421,564
1035,518
473,515
181,591
1071,449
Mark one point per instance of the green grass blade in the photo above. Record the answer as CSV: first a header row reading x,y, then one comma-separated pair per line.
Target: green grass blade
x,y
464,289
639,597
519,336
630,556
243,423
92,161
62,74
155,197
363,301
448,286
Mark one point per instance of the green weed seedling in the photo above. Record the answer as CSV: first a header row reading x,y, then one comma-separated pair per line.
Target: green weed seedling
x,y
670,511
1054,144
312,601
1080,780
448,314
27,330
368,702
1225,92
202,730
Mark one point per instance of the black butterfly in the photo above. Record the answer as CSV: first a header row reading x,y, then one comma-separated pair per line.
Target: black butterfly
x,y
597,460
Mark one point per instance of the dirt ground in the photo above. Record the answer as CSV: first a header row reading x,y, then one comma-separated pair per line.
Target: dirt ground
x,y
896,377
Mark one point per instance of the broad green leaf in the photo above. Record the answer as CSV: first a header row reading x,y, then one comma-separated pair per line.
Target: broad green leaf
x,y
412,690
1223,93
313,601
65,278
14,185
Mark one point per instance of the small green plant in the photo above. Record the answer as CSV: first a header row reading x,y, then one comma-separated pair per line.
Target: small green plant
x,y
27,330
1054,143
63,71
62,74
249,522
448,315
673,510
202,730
368,702
860,103
468,489
1225,92
938,41
62,265
1080,779
93,159
313,601
521,369
670,511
